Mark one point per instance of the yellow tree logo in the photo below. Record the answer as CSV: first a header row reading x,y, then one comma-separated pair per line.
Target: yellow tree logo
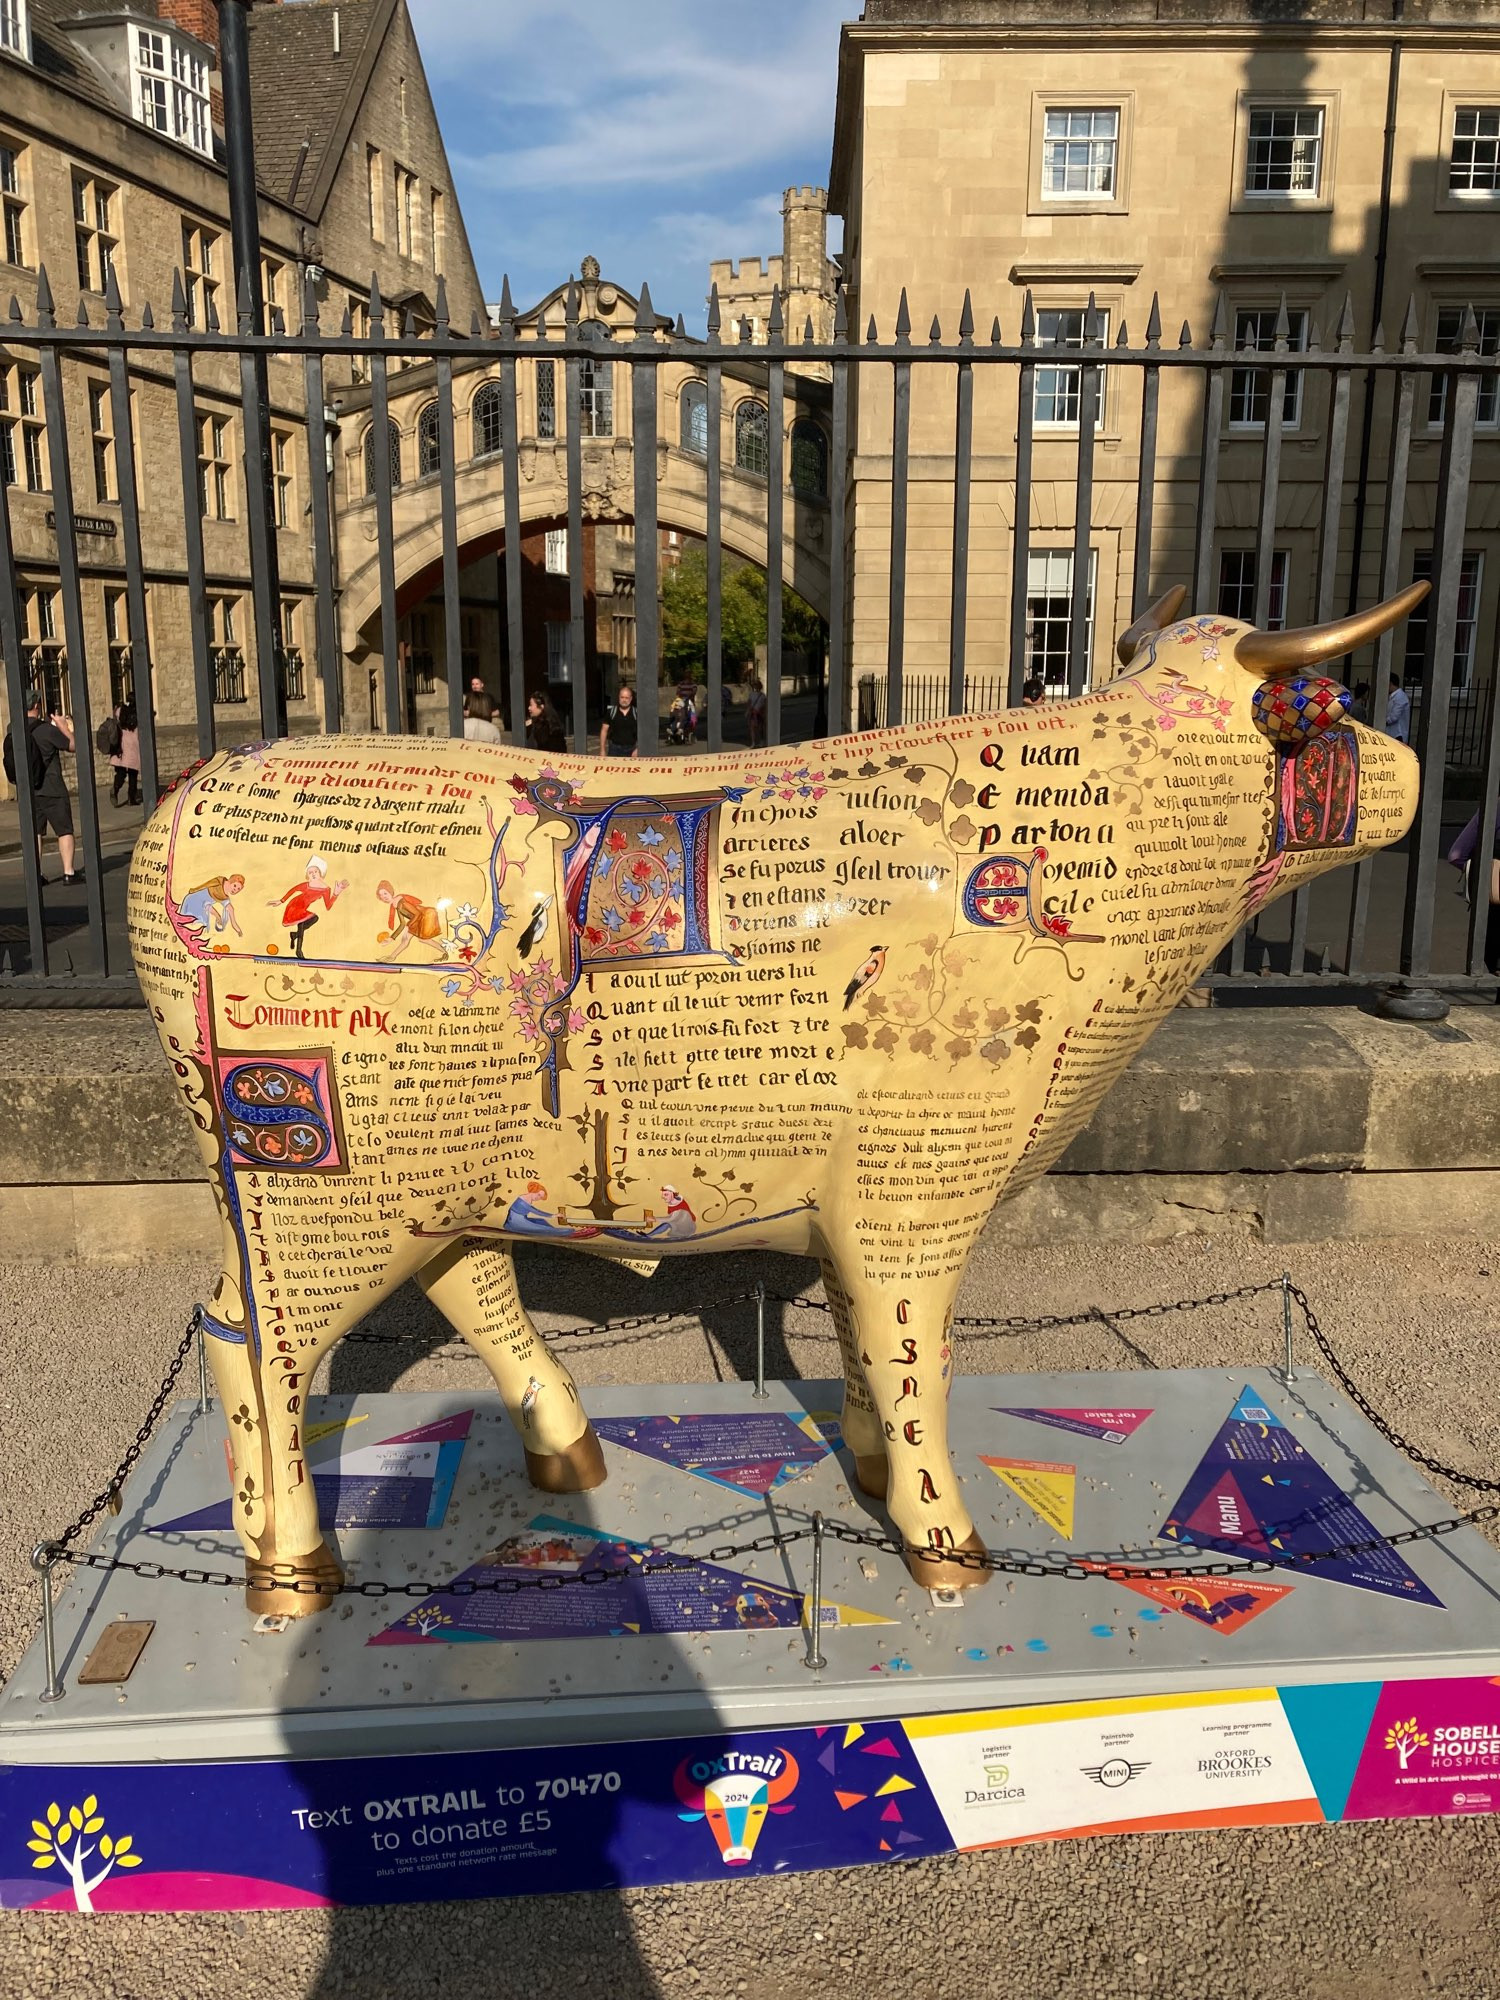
x,y
427,1622
1404,1738
61,1838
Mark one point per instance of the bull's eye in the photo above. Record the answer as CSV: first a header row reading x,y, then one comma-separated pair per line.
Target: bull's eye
x,y
1292,712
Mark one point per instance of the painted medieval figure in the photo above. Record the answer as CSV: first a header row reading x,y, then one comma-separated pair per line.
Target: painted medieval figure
x,y
835,1001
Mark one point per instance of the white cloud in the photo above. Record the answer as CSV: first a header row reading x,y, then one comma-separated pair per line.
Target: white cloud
x,y
656,91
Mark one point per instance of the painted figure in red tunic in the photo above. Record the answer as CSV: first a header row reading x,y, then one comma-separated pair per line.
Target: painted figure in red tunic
x,y
299,905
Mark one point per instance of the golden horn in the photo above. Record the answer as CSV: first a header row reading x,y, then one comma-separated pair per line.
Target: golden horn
x,y
1155,618
1271,653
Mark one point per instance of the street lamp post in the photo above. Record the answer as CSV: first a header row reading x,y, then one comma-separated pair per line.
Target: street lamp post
x,y
244,228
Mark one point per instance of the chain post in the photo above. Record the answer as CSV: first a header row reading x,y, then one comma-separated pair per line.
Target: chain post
x,y
815,1658
43,1556
1286,1323
762,1394
204,1398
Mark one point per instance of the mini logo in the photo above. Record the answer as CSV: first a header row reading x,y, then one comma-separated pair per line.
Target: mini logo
x,y
1115,1772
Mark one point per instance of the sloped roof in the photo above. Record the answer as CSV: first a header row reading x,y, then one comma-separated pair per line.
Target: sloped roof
x,y
55,56
302,92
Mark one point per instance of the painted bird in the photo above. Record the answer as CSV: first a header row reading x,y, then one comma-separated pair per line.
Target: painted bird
x,y
866,976
534,929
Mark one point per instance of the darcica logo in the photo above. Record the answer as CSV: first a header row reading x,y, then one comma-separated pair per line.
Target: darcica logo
x,y
65,1840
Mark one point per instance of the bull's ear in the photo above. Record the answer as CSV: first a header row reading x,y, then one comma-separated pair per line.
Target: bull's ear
x,y
1155,618
1270,654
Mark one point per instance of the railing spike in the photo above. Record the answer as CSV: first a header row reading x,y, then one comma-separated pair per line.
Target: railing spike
x,y
148,318
242,302
645,318
440,306
1314,337
1153,323
82,318
1122,338
377,305
840,313
278,320
903,320
1028,319
1185,336
15,309
44,301
808,335
713,311
872,338
179,303
1344,332
409,325
1283,326
1409,327
570,305
1218,332
995,340
679,331
776,318
113,303
213,315
1468,330
935,333
966,319
310,302
1377,339
476,325
506,318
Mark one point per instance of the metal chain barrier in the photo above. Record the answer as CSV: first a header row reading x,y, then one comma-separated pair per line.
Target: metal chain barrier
x,y
283,1577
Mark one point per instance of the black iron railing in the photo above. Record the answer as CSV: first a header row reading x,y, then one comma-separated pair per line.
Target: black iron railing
x,y
828,386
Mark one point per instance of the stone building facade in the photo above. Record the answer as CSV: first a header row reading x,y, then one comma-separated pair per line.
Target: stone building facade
x,y
1255,149
804,273
100,170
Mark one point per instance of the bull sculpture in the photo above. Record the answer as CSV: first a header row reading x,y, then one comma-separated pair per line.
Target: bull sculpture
x,y
426,999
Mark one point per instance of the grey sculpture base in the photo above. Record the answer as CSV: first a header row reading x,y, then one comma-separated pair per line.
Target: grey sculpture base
x,y
209,1688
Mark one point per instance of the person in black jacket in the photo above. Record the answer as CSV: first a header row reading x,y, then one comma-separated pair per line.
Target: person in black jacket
x,y
620,736
544,726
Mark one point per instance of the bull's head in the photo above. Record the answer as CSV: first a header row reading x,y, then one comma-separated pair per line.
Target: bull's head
x,y
735,1801
1290,704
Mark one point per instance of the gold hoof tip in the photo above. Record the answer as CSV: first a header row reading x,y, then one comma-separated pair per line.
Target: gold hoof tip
x,y
937,1569
578,1468
292,1589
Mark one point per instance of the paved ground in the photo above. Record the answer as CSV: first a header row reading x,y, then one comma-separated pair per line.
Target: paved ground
x,y
1396,1912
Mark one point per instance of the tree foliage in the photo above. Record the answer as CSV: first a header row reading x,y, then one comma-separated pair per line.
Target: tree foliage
x,y
684,614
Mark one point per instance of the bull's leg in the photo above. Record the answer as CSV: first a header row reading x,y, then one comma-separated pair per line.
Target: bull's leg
x,y
903,1328
288,1566
473,1285
862,1433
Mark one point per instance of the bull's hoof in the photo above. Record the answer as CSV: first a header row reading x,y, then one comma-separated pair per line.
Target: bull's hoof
x,y
873,1475
578,1468
277,1586
936,1569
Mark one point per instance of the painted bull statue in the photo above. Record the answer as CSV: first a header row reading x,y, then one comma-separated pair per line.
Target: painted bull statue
x,y
428,999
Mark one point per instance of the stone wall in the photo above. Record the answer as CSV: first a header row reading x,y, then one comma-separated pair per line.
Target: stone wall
x,y
1283,1124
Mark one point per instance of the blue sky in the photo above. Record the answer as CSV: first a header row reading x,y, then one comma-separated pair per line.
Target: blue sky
x,y
656,134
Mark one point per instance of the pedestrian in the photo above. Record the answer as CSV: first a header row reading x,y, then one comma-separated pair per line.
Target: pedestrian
x,y
755,710
1481,879
620,736
479,718
47,738
297,911
1033,692
125,761
1359,706
544,726
1398,711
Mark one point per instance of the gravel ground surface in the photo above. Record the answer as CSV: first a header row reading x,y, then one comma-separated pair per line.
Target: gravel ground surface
x,y
1383,1912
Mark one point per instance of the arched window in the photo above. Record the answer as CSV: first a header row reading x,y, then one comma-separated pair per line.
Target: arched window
x,y
692,407
430,450
752,438
487,425
597,383
393,448
809,460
